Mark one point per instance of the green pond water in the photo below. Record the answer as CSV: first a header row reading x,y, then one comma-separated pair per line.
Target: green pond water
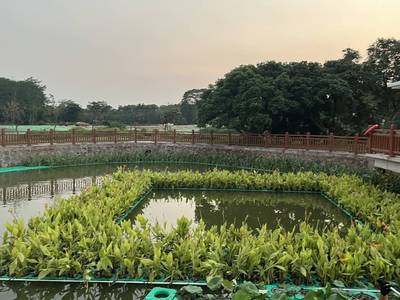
x,y
62,291
25,194
284,210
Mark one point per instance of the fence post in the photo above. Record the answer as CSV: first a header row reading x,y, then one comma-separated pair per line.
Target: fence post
x,y
331,139
269,139
73,136
3,137
94,136
174,137
266,139
135,135
155,136
51,132
28,137
391,140
356,139
286,140
115,136
212,137
229,138
192,136
308,140
369,143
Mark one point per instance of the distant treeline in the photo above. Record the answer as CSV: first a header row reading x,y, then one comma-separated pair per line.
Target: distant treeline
x,y
341,96
26,102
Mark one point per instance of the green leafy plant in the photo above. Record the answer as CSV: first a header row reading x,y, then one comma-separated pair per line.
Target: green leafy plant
x,y
83,236
232,161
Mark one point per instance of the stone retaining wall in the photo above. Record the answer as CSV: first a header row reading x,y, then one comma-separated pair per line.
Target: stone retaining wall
x,y
17,155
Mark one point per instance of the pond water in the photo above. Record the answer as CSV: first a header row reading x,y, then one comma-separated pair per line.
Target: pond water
x,y
62,291
25,194
253,208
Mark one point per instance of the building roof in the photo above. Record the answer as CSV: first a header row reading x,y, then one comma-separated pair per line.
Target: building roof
x,y
394,85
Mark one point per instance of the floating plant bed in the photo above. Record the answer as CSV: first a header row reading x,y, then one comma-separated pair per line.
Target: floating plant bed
x,y
89,236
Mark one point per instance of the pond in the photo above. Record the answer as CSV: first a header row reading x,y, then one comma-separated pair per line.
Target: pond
x,y
253,208
26,194
61,291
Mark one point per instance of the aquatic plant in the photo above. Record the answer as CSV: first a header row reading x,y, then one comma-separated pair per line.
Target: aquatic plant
x,y
81,237
232,161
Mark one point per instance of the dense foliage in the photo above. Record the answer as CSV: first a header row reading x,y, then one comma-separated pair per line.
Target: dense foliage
x,y
80,236
386,181
341,96
26,102
22,101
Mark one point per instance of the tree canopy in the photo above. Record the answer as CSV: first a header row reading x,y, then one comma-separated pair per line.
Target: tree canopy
x,y
22,101
26,102
341,96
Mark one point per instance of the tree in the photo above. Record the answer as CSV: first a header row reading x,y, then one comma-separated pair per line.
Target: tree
x,y
53,110
170,114
384,58
98,110
272,96
351,55
384,61
343,95
69,111
12,113
146,114
32,99
357,108
7,94
188,105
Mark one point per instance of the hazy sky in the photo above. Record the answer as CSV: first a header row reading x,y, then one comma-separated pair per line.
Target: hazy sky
x,y
152,51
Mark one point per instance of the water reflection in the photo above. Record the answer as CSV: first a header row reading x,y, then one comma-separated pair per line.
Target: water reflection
x,y
253,208
26,194
44,291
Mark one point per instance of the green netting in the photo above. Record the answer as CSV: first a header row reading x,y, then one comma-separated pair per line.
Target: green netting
x,y
21,169
136,204
165,162
112,280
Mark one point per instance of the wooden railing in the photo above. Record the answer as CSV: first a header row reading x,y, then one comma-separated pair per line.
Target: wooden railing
x,y
385,142
354,144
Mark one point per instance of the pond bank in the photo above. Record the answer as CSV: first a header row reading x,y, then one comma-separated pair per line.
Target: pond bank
x,y
18,155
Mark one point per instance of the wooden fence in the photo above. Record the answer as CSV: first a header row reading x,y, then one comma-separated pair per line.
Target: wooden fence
x,y
355,144
385,142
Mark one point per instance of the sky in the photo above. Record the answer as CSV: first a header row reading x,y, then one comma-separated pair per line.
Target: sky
x,y
152,51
